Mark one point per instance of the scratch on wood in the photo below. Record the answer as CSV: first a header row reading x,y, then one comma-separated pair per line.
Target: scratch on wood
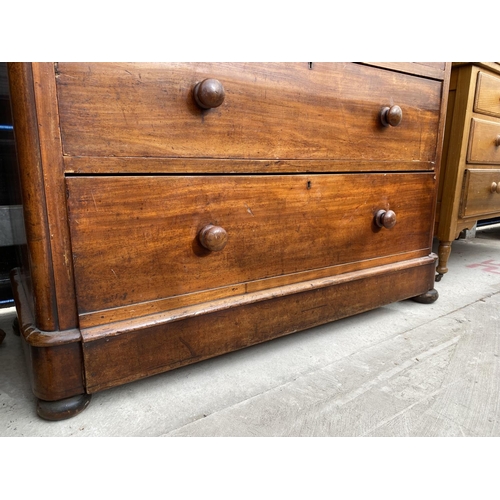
x,y
95,204
249,210
189,348
67,266
113,271
313,308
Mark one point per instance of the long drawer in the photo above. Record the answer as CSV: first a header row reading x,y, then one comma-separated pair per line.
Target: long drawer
x,y
139,238
328,111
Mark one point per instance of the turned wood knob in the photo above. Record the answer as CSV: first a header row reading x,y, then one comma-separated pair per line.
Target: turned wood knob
x,y
497,141
385,218
495,187
391,116
209,93
213,238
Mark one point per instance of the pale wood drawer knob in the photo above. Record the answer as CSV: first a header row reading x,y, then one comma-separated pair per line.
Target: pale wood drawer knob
x,y
385,218
495,187
391,116
209,93
213,238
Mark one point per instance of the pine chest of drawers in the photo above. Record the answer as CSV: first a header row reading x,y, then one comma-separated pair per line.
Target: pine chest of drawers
x,y
470,179
175,212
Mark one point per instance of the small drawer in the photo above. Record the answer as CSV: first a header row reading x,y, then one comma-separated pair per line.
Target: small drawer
x,y
487,99
144,238
327,111
481,193
484,142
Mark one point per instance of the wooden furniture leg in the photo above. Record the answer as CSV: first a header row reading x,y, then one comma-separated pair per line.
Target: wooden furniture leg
x,y
63,408
443,255
428,297
54,361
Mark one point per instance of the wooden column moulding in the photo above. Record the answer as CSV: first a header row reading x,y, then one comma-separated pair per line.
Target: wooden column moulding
x,y
40,276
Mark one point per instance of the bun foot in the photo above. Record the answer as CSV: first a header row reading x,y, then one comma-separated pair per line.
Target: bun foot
x,y
63,408
427,297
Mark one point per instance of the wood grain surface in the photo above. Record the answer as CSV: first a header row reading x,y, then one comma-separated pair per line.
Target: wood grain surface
x,y
478,198
135,239
55,194
483,142
487,100
125,356
126,165
271,111
37,268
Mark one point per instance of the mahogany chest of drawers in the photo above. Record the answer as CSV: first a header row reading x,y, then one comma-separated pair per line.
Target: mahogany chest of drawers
x,y
470,179
175,212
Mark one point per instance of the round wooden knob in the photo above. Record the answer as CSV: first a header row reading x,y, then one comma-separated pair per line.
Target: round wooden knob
x,y
391,116
497,141
213,238
209,93
493,187
385,218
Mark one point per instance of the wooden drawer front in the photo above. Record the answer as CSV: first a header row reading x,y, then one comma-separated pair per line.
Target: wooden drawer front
x,y
270,111
480,192
164,346
487,98
484,142
134,239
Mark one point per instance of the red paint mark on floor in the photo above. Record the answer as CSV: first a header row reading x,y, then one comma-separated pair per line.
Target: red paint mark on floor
x,y
489,266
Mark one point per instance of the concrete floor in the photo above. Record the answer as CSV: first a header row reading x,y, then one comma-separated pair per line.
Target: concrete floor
x,y
406,369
